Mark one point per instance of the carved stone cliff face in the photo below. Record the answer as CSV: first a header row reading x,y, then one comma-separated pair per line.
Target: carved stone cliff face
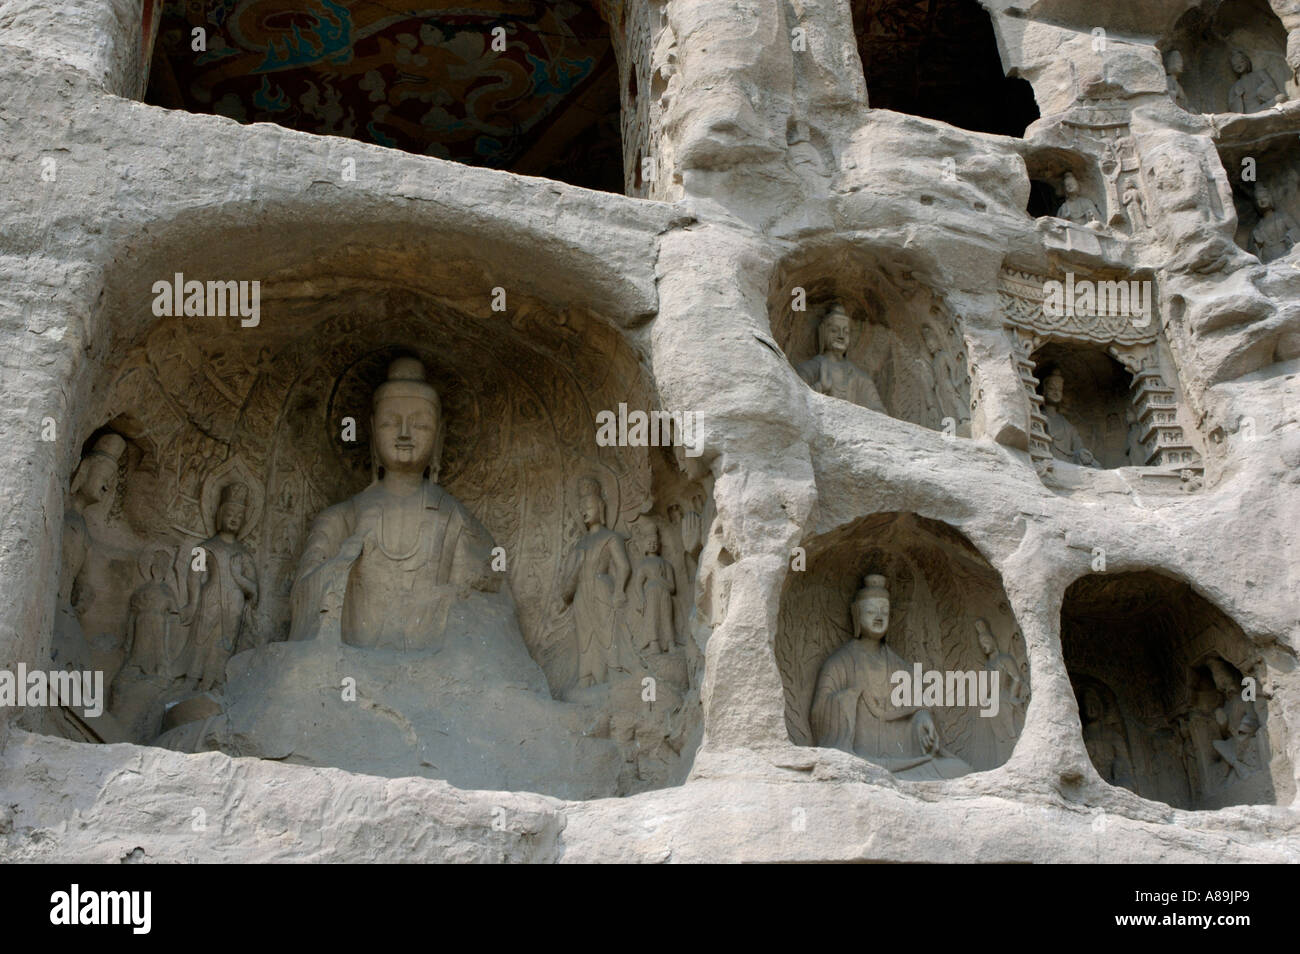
x,y
1029,370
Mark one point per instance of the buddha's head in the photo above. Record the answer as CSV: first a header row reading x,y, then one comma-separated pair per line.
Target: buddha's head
x,y
591,502
1263,198
233,508
1224,681
930,338
160,561
96,475
648,537
406,422
871,609
1070,184
1241,64
1091,705
985,636
1054,387
835,332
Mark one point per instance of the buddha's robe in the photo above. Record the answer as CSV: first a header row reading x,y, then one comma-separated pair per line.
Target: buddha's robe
x,y
1274,236
1066,442
841,378
852,711
1080,210
406,559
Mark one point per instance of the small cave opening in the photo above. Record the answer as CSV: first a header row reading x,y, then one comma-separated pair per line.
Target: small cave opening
x,y
1086,395
939,59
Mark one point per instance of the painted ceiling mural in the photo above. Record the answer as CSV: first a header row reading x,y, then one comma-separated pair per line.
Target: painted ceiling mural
x,y
420,77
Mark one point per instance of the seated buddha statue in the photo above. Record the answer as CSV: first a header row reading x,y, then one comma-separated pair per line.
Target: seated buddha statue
x,y
852,708
382,569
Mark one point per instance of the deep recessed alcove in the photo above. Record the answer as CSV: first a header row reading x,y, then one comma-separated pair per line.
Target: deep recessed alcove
x,y
1208,37
1095,401
273,420
945,611
1048,167
906,346
1265,177
1174,700
939,59
531,88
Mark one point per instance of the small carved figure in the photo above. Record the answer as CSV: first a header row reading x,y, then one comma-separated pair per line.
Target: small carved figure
x,y
1135,206
1253,91
1012,693
1077,208
594,581
1106,745
654,584
1276,232
831,372
1238,723
221,590
1173,78
853,709
939,376
92,482
804,158
155,640
692,532
1066,442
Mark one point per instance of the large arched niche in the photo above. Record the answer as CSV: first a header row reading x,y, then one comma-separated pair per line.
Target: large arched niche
x,y
940,586
1161,677
904,336
203,402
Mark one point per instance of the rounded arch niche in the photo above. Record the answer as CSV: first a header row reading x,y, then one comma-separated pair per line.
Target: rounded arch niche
x,y
947,614
519,392
903,336
1174,700
283,409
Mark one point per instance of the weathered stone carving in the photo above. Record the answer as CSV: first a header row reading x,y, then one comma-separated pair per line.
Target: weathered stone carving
x,y
1173,77
852,707
92,483
155,640
1077,208
1276,233
1233,749
1066,443
1253,91
654,584
849,654
155,649
395,557
831,372
690,527
594,583
1013,694
1104,738
221,588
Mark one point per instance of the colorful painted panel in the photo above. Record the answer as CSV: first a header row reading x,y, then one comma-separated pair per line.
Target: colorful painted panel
x,y
523,85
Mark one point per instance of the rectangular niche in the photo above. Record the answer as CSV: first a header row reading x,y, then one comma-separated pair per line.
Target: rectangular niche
x,y
1116,401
